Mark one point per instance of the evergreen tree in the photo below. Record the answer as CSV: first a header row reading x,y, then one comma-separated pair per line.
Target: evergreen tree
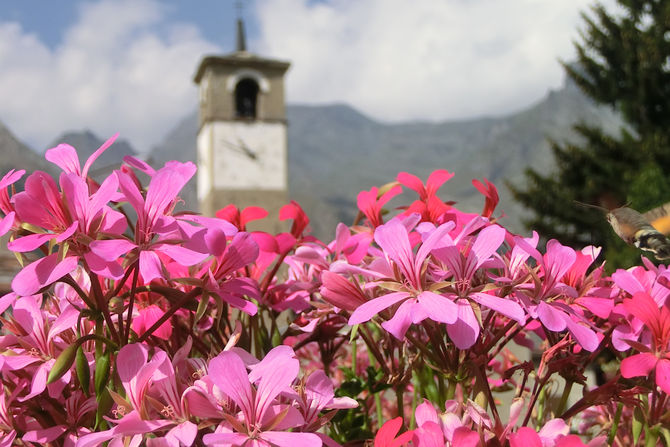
x,y
623,60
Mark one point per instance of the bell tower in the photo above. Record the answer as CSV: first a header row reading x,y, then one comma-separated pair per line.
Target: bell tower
x,y
242,137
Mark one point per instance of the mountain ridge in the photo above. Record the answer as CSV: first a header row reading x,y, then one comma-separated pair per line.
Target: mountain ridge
x,y
335,151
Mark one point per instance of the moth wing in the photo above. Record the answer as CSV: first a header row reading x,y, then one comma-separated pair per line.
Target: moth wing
x,y
659,218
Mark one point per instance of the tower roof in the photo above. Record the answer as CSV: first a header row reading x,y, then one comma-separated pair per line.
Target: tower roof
x,y
240,57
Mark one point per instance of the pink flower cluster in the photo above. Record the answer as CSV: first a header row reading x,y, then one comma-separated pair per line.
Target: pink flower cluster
x,y
133,324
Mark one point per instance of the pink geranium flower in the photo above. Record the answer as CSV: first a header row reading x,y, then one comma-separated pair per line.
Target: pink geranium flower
x,y
6,206
406,269
157,232
371,203
429,206
74,215
387,435
37,343
549,299
657,356
263,419
462,267
491,194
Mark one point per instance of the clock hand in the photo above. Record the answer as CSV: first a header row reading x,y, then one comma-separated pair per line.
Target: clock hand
x,y
247,150
242,149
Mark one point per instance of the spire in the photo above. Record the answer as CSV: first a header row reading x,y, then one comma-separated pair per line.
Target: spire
x,y
241,44
241,41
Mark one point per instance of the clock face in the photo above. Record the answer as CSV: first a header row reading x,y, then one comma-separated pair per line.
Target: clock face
x,y
248,155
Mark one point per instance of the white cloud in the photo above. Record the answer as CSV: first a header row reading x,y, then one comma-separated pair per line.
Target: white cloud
x,y
421,59
120,67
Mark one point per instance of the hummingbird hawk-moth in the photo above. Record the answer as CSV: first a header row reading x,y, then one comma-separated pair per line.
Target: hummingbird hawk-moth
x,y
645,231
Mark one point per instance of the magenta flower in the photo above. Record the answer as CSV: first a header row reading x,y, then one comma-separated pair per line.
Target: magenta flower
x,y
491,193
65,157
406,269
387,435
429,205
262,418
317,395
550,299
157,231
656,357
7,222
37,343
547,436
229,257
447,429
70,216
462,268
370,203
147,317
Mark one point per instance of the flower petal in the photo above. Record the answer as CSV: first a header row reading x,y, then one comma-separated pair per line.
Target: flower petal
x,y
638,365
368,310
41,273
438,307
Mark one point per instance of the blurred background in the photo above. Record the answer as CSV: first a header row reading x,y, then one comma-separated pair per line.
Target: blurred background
x,y
375,87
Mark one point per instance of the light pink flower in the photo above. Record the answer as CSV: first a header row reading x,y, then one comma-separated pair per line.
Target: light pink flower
x,y
255,394
462,268
417,301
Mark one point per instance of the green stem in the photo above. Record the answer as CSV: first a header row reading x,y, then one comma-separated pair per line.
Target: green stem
x,y
564,397
615,424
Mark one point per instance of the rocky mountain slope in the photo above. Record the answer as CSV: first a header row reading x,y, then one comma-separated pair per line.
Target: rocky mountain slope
x,y
335,152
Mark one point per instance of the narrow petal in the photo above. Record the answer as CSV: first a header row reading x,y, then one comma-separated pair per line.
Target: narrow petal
x,y
505,306
487,242
227,439
552,318
111,249
525,437
270,385
403,318
638,365
65,157
393,238
45,435
663,374
181,254
41,273
291,439
584,335
29,243
227,371
151,266
465,331
438,307
94,156
368,310
6,223
106,269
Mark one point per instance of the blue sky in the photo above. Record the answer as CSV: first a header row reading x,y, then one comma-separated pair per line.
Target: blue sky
x,y
49,19
127,65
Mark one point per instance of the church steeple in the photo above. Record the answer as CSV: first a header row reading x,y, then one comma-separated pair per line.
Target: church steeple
x,y
240,38
241,44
